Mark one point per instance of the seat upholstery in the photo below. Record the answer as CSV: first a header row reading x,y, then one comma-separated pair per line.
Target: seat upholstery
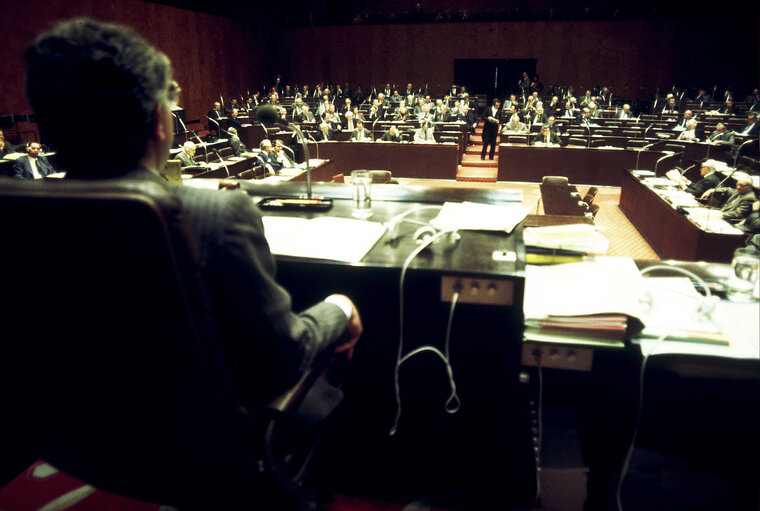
x,y
110,351
560,198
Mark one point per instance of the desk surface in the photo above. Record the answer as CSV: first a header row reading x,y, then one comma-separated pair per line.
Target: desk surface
x,y
432,161
671,234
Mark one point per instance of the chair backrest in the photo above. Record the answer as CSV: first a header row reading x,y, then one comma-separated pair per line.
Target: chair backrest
x,y
578,142
108,348
517,139
560,198
597,142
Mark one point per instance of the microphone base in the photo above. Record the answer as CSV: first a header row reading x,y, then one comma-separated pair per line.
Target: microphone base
x,y
295,204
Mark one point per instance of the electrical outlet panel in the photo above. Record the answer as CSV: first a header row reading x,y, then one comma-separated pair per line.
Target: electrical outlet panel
x,y
556,356
483,291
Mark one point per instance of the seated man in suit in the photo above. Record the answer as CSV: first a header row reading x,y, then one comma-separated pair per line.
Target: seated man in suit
x,y
551,123
681,126
539,117
710,179
752,128
721,136
5,146
237,145
306,115
361,134
266,344
692,133
33,165
325,132
670,107
232,120
468,117
186,155
265,158
424,135
280,156
739,202
216,112
625,113
751,227
547,138
349,123
729,108
514,127
392,135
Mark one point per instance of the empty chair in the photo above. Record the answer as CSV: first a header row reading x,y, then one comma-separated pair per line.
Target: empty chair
x,y
225,152
593,210
560,198
632,133
256,172
596,142
603,132
338,178
590,195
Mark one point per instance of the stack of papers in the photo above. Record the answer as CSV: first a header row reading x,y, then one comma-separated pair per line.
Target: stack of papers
x,y
576,237
479,217
563,304
333,238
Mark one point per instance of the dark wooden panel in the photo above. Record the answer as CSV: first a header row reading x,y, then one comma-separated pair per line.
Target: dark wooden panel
x,y
670,233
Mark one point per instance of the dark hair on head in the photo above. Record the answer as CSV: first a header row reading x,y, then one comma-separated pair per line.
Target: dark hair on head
x,y
82,67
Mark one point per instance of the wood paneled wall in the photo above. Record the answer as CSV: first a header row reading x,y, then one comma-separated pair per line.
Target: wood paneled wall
x,y
633,57
210,55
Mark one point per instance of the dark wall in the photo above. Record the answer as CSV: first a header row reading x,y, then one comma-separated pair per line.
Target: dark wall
x,y
633,57
210,55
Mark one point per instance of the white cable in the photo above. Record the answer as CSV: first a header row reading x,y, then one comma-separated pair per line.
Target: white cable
x,y
540,434
401,358
702,308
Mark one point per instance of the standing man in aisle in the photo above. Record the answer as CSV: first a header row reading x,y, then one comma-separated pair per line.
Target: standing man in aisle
x,y
490,129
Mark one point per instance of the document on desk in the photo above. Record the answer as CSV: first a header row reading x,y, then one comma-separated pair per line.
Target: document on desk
x,y
563,304
675,309
333,238
479,217
576,237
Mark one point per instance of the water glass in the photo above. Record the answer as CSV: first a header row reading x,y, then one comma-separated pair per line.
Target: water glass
x,y
744,276
361,185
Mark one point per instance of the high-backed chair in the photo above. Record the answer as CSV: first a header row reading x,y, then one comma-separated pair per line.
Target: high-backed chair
x,y
109,364
560,198
577,142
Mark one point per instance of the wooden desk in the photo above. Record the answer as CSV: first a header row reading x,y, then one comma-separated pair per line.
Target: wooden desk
x,y
431,161
482,458
581,165
671,234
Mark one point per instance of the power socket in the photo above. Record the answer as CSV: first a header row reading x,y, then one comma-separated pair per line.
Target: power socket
x,y
555,356
477,290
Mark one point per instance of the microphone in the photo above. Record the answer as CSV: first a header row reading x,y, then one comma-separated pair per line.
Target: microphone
x,y
291,152
316,142
267,114
739,149
638,155
373,128
647,129
664,158
222,162
205,149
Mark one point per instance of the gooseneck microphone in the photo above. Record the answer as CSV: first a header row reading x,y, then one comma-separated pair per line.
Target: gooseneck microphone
x,y
221,160
205,149
267,114
638,155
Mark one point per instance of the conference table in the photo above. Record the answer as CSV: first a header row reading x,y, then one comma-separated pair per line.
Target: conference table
x,y
430,161
581,165
483,451
669,232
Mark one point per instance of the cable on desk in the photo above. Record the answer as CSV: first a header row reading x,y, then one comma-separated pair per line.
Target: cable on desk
x,y
393,223
540,425
704,306
452,403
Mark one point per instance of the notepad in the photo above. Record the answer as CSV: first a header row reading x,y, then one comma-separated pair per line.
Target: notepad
x,y
332,238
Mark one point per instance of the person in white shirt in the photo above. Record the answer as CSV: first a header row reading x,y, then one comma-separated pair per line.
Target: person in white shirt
x,y
424,135
690,133
33,165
